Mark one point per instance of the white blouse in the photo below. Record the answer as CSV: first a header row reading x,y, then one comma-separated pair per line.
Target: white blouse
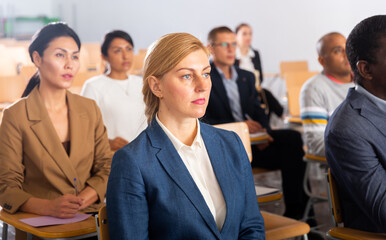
x,y
196,160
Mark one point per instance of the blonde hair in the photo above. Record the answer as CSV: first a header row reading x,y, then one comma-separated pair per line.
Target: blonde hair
x,y
162,56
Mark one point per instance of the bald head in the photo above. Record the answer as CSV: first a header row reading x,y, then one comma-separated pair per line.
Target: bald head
x,y
332,56
324,42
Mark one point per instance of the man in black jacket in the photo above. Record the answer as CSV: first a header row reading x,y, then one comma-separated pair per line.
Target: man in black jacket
x,y
233,98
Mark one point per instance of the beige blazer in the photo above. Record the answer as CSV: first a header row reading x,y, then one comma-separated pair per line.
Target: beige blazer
x,y
33,161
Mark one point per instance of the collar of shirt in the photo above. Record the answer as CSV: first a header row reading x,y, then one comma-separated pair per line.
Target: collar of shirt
x,y
178,145
234,74
336,80
380,103
250,53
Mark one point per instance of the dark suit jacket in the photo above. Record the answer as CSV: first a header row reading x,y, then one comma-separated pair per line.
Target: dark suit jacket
x,y
151,195
256,63
355,141
33,161
219,110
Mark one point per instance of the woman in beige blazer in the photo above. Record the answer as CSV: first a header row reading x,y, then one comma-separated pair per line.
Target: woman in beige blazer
x,y
54,152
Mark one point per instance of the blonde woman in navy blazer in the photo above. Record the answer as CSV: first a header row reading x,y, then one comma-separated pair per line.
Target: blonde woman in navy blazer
x,y
180,178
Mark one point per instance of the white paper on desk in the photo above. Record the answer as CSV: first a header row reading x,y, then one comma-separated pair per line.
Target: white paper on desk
x,y
49,221
263,191
257,134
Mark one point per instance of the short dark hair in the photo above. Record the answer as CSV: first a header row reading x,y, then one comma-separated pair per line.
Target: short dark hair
x,y
213,33
363,42
109,37
240,26
40,41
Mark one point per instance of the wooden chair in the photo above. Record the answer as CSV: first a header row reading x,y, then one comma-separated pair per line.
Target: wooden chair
x,y
138,62
11,89
27,71
313,198
102,224
241,128
91,57
279,227
294,82
343,232
293,66
8,66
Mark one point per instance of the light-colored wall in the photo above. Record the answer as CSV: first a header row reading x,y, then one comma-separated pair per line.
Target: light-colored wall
x,y
283,29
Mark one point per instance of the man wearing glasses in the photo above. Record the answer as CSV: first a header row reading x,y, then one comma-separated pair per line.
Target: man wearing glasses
x,y
233,98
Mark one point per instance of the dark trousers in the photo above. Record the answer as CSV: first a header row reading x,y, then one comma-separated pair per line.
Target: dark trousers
x,y
286,153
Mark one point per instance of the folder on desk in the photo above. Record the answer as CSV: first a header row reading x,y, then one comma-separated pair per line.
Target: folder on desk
x,y
264,191
49,221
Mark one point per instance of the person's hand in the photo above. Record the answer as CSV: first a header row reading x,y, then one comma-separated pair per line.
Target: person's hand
x,y
254,126
117,143
65,206
263,146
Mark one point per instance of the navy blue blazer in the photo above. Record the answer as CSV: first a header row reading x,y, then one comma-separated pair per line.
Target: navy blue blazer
x,y
355,140
151,195
219,110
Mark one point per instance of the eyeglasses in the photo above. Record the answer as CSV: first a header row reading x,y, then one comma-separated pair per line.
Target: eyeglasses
x,y
225,44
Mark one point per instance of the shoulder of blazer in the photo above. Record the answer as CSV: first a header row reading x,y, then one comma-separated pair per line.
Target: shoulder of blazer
x,y
214,74
79,103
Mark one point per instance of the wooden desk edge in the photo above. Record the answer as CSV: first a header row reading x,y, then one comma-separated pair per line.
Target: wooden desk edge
x,y
13,220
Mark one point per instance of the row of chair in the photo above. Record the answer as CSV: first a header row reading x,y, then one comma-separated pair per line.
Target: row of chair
x,y
273,225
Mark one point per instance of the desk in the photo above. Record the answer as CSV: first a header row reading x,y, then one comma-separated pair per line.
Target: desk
x,y
86,228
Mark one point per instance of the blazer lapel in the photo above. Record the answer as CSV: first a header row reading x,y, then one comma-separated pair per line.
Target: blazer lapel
x,y
219,88
46,133
174,166
244,89
79,130
216,151
368,110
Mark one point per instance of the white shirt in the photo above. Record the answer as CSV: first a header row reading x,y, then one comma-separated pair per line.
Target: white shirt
x,y
246,60
121,104
196,160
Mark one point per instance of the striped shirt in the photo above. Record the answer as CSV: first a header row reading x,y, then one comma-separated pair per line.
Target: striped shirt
x,y
319,97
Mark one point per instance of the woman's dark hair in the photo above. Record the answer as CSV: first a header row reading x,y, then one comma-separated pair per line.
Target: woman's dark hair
x,y
40,41
109,37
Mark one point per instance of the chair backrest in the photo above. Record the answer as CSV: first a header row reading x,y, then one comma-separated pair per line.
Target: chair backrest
x,y
294,82
27,71
293,66
11,88
91,57
334,199
138,62
102,224
241,129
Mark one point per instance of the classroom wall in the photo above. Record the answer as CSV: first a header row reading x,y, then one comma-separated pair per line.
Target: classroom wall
x,y
283,29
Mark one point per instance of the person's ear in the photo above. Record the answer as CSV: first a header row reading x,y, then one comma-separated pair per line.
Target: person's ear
x,y
155,86
321,60
37,59
364,69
